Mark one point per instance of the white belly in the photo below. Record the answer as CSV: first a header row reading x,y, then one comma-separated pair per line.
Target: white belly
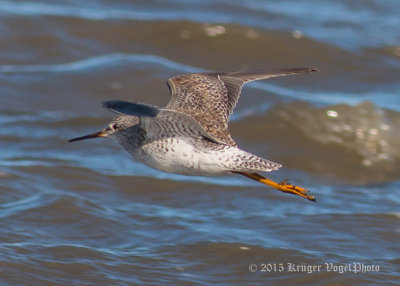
x,y
182,157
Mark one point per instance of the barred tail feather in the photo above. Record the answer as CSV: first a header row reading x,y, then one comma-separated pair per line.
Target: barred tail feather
x,y
247,162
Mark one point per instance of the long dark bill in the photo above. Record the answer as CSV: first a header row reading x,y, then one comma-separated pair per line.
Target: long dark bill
x,y
89,136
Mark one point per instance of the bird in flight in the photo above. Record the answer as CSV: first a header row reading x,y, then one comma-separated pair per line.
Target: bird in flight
x,y
190,135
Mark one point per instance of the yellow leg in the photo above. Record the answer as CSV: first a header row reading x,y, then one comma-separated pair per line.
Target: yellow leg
x,y
283,186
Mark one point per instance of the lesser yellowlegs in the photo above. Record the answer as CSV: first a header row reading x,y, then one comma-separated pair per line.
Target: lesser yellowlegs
x,y
190,135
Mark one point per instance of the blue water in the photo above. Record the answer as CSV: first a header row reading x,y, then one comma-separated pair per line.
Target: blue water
x,y
348,24
87,214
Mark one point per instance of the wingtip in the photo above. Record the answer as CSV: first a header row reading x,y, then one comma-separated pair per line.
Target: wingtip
x,y
131,108
109,103
104,104
114,104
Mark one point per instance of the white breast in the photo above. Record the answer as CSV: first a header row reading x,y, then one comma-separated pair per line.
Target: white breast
x,y
183,156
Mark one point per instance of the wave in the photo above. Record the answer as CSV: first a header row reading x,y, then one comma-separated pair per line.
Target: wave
x,y
382,99
44,9
325,25
353,142
99,61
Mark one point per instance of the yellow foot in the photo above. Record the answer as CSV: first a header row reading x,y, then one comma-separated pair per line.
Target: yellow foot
x,y
284,186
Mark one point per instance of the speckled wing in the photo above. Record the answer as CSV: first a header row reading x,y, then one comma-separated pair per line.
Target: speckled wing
x,y
160,120
211,97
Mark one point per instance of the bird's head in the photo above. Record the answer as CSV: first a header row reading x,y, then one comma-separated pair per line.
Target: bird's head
x,y
117,126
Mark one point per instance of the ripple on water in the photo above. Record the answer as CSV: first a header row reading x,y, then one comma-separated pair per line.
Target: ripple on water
x,y
351,142
86,214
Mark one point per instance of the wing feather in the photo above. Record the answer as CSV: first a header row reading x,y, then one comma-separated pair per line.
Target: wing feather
x,y
131,108
211,97
165,121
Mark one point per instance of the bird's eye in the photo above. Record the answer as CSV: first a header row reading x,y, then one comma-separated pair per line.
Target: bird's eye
x,y
113,126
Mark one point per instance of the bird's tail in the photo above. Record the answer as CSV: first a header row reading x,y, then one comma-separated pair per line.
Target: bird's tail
x,y
247,162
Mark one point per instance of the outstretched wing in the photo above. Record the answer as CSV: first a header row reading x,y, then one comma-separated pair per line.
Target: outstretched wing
x,y
131,108
211,97
163,121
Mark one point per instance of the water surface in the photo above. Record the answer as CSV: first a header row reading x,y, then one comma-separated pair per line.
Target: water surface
x,y
86,214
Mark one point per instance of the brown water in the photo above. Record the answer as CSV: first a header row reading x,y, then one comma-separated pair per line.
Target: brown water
x,y
86,214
